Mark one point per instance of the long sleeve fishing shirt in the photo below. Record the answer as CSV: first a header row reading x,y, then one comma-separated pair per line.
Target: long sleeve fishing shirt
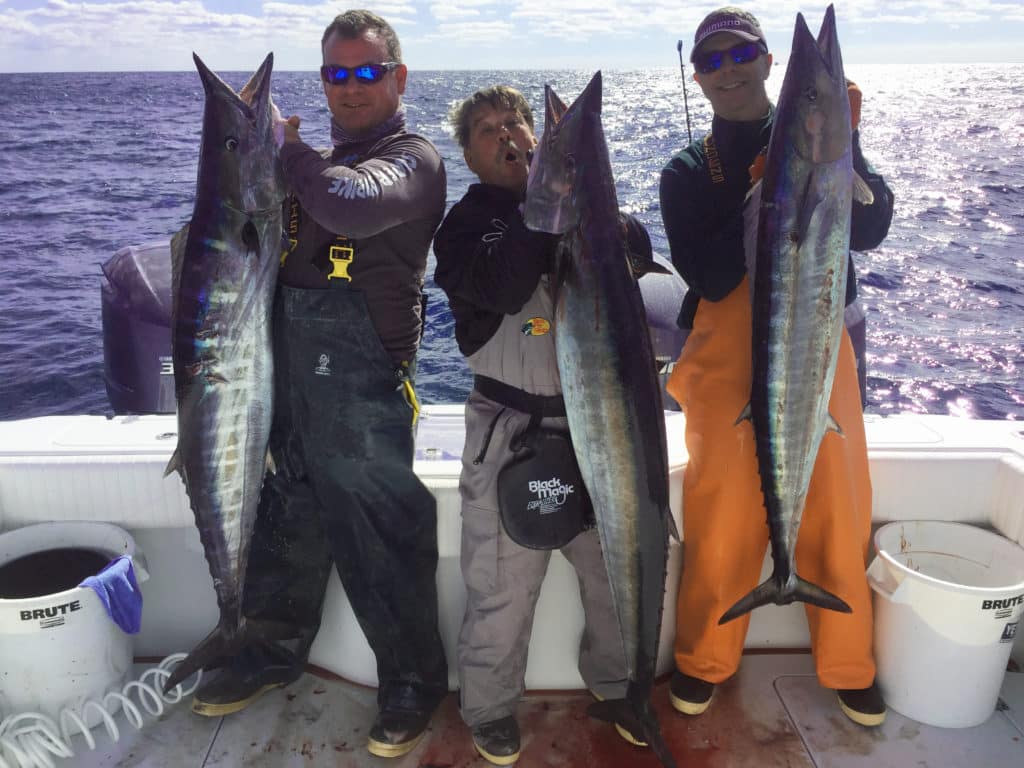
x,y
365,212
702,192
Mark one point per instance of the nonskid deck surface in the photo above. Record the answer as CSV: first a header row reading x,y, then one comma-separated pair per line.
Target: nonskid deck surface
x,y
773,713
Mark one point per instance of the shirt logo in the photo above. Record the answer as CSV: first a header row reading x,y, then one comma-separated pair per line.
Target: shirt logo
x,y
535,326
371,181
323,367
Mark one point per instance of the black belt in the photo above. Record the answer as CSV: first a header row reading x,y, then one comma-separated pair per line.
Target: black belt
x,y
513,397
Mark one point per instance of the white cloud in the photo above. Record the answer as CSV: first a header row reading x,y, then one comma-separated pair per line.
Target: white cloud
x,y
477,33
160,34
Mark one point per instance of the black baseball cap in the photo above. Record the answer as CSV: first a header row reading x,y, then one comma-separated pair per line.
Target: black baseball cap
x,y
729,19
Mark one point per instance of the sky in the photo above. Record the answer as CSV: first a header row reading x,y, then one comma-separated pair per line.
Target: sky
x,y
235,35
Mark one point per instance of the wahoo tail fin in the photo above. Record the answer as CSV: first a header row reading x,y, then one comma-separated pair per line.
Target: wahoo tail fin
x,y
635,722
224,643
771,591
214,646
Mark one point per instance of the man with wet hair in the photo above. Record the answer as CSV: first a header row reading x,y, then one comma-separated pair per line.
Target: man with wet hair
x,y
348,318
724,533
498,278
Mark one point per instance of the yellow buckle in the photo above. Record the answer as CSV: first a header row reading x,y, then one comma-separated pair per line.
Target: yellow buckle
x,y
292,242
341,257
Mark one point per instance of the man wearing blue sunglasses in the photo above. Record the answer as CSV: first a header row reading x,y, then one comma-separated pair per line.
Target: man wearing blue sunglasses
x,y
348,319
702,195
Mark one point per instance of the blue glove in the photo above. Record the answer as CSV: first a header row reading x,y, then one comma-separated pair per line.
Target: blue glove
x,y
119,592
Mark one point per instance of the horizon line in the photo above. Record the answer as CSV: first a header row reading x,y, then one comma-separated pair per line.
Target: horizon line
x,y
465,69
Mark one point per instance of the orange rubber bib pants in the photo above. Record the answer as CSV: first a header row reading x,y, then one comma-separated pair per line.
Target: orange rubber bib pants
x,y
725,535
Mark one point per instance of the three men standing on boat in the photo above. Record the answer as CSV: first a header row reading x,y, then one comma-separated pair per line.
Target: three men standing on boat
x,y
347,323
348,319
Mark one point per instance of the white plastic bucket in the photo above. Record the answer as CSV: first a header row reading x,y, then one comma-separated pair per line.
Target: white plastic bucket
x,y
948,601
59,650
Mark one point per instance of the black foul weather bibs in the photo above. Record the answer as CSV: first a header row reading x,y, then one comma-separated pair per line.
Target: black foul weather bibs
x,y
343,441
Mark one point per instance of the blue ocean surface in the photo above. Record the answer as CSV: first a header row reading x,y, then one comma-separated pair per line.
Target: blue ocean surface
x,y
92,162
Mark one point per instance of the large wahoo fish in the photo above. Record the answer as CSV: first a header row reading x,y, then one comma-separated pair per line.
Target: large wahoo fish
x,y
803,245
225,264
609,380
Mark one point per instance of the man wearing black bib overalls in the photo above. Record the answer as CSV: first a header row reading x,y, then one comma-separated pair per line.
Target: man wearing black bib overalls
x,y
347,324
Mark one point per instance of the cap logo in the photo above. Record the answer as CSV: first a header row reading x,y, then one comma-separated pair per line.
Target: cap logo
x,y
723,24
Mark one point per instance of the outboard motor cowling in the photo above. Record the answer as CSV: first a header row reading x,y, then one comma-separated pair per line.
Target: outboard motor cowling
x,y
663,296
136,302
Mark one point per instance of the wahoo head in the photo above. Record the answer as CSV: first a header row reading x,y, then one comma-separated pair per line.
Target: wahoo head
x,y
814,109
552,204
238,160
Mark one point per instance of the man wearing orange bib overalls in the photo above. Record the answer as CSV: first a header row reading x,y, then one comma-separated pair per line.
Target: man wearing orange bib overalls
x,y
724,531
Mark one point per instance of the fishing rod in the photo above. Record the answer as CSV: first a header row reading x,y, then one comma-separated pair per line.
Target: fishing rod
x,y
686,103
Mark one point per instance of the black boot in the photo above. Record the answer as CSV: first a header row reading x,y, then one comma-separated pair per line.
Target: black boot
x,y
247,677
864,706
405,712
690,695
498,740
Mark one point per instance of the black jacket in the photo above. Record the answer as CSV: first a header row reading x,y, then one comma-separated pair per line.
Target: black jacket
x,y
488,262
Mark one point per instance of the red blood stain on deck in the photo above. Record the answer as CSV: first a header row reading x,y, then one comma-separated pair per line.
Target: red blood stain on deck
x,y
556,732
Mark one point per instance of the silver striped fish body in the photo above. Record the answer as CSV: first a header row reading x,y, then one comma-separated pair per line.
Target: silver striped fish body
x,y
799,295
225,272
609,377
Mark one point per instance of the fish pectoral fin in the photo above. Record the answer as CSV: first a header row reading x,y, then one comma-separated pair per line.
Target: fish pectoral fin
x,y
745,415
271,466
861,191
833,426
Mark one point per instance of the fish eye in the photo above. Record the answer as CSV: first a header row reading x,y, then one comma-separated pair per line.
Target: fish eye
x,y
811,94
231,143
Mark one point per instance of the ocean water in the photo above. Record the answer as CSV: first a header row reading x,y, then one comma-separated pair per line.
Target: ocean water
x,y
92,162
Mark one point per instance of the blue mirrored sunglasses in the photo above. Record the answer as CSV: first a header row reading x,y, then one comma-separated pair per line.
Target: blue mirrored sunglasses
x,y
364,73
710,61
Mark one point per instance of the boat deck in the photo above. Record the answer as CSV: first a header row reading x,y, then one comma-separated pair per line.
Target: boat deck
x,y
771,714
